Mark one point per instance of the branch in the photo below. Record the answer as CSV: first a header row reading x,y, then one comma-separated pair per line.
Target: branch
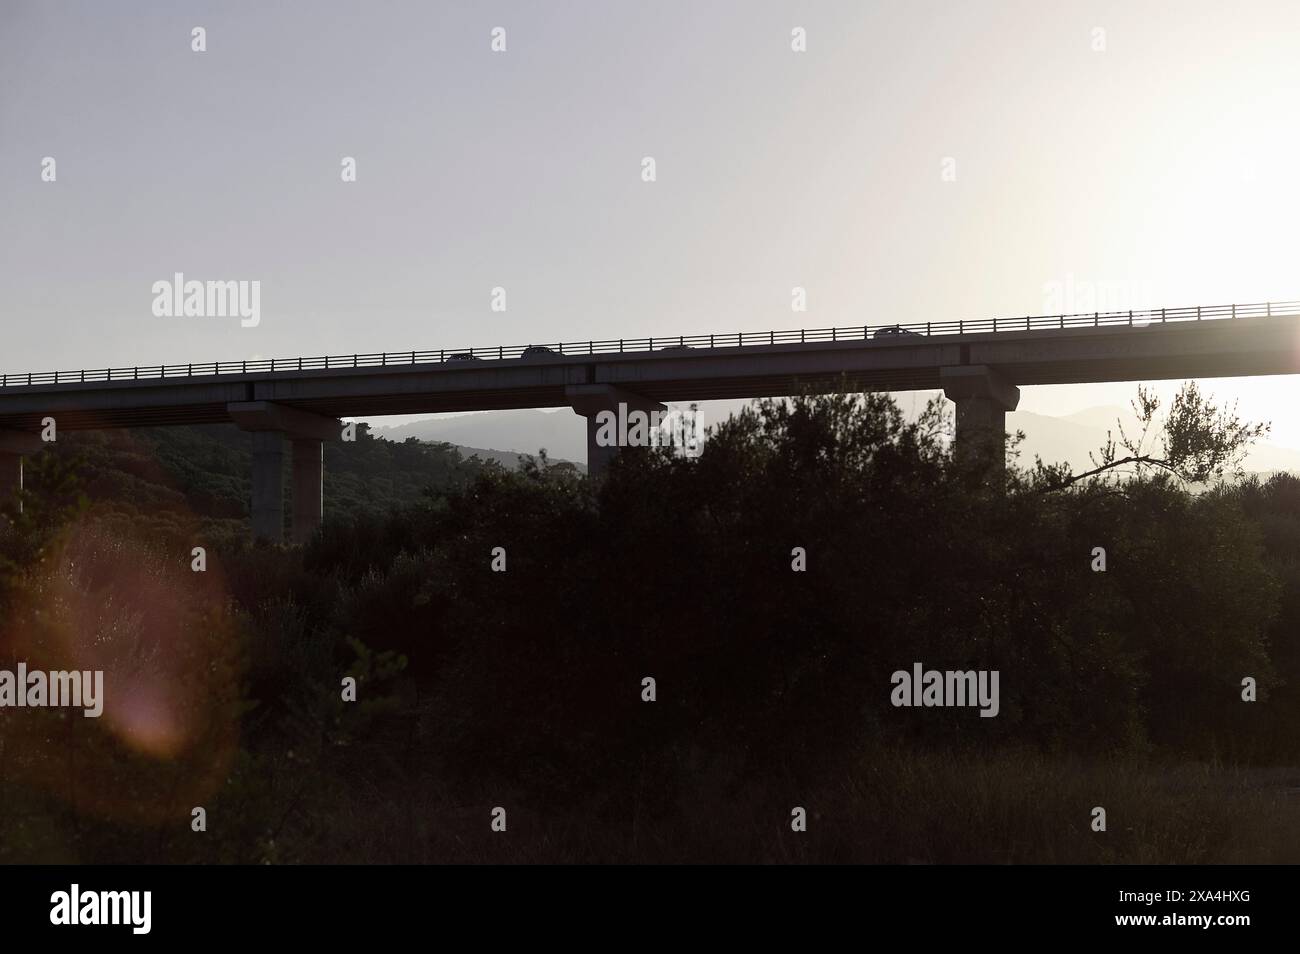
x,y
1133,459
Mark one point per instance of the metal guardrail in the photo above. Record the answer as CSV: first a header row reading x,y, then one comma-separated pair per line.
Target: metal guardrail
x,y
1096,319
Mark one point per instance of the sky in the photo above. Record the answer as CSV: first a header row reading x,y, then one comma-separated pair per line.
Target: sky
x,y
918,161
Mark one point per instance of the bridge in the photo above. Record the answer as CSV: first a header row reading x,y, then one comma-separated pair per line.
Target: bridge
x,y
979,364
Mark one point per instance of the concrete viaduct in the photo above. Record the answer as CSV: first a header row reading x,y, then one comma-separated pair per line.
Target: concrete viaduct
x,y
296,403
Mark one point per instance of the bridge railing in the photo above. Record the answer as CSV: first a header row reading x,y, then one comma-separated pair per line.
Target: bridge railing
x,y
739,339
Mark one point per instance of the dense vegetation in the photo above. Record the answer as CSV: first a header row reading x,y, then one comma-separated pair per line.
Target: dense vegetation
x,y
175,482
523,688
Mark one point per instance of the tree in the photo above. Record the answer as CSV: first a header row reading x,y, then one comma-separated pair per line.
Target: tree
x,y
1199,442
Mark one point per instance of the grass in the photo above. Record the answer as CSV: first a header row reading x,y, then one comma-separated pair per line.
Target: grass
x,y
897,808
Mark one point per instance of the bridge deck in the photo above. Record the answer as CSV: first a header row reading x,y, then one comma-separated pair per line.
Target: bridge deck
x,y
1226,341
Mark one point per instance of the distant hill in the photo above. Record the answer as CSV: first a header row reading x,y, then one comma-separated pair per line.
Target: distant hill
x,y
172,478
562,434
507,434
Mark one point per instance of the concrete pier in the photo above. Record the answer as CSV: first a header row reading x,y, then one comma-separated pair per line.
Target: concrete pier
x,y
308,486
589,400
14,446
983,398
272,425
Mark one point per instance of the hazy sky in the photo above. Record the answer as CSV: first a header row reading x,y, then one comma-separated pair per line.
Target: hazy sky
x,y
1160,170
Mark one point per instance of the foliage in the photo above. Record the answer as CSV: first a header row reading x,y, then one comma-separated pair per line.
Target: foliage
x,y
478,688
1200,442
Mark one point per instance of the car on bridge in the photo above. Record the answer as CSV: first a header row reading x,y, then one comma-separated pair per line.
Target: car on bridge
x,y
463,356
895,331
536,351
678,347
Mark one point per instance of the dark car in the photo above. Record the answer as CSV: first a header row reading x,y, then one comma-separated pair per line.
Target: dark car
x,y
463,356
677,347
536,351
893,331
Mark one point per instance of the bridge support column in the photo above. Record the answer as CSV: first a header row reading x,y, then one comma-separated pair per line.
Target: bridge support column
x,y
268,486
589,400
308,486
983,398
14,446
272,424
11,475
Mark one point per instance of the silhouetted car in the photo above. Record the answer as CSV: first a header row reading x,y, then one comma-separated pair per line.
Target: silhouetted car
x,y
676,348
894,331
535,351
463,356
